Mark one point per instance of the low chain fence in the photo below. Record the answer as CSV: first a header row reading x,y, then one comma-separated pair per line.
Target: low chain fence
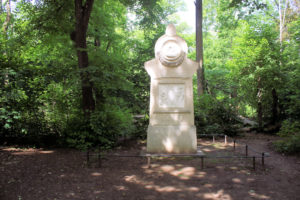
x,y
241,150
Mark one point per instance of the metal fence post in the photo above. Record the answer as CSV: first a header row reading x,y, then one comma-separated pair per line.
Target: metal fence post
x,y
88,157
225,139
149,162
246,150
263,160
234,144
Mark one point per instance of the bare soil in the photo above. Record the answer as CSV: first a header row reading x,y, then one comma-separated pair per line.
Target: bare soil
x,y
34,174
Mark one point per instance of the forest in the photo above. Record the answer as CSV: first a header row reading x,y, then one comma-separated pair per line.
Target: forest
x,y
72,72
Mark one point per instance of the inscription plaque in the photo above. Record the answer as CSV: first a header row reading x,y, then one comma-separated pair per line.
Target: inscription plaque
x,y
171,95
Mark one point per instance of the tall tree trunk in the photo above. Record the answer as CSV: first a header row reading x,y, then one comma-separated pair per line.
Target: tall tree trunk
x,y
8,17
259,105
199,48
5,28
1,9
98,92
82,14
282,14
275,106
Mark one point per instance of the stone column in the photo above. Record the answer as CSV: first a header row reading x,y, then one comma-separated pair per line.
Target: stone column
x,y
171,128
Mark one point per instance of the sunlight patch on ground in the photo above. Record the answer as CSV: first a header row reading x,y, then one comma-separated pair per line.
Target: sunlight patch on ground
x,y
121,187
208,185
167,168
23,153
131,179
136,180
219,195
253,194
96,174
193,189
163,189
167,189
218,146
236,180
244,172
206,149
46,152
29,151
150,184
200,174
205,143
184,173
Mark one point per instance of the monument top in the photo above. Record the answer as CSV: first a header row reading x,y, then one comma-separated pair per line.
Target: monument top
x,y
171,30
171,49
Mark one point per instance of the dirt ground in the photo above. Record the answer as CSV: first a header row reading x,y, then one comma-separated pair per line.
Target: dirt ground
x,y
58,174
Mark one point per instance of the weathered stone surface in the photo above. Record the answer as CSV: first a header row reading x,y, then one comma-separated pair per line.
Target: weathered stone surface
x,y
171,128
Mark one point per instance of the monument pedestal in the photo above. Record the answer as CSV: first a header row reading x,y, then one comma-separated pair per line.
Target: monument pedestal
x,y
171,139
171,126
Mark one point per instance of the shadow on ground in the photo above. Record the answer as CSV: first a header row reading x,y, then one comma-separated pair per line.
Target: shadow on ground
x,y
63,174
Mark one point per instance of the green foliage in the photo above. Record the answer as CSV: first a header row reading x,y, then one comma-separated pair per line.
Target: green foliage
x,y
289,145
140,123
255,63
288,128
290,132
40,90
214,116
41,97
111,123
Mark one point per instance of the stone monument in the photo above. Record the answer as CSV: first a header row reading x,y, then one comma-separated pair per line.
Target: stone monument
x,y
171,128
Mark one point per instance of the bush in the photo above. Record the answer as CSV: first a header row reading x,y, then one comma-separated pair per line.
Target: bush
x,y
289,128
141,124
214,116
290,132
110,124
289,145
105,127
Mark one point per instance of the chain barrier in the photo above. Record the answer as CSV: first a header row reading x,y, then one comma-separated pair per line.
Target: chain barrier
x,y
262,155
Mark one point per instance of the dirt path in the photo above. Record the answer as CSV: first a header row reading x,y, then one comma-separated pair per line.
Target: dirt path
x,y
34,174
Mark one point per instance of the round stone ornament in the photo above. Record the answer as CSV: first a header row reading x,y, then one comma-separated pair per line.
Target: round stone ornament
x,y
170,49
171,54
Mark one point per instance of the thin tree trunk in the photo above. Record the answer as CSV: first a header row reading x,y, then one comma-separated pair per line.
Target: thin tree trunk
x,y
8,17
275,106
98,92
199,48
82,14
108,45
282,14
5,28
1,9
259,105
97,42
233,95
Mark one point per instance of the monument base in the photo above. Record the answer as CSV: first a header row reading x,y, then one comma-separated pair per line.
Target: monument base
x,y
171,139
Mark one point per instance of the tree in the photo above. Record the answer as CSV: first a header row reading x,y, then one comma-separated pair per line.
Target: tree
x,y
199,48
8,16
82,15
